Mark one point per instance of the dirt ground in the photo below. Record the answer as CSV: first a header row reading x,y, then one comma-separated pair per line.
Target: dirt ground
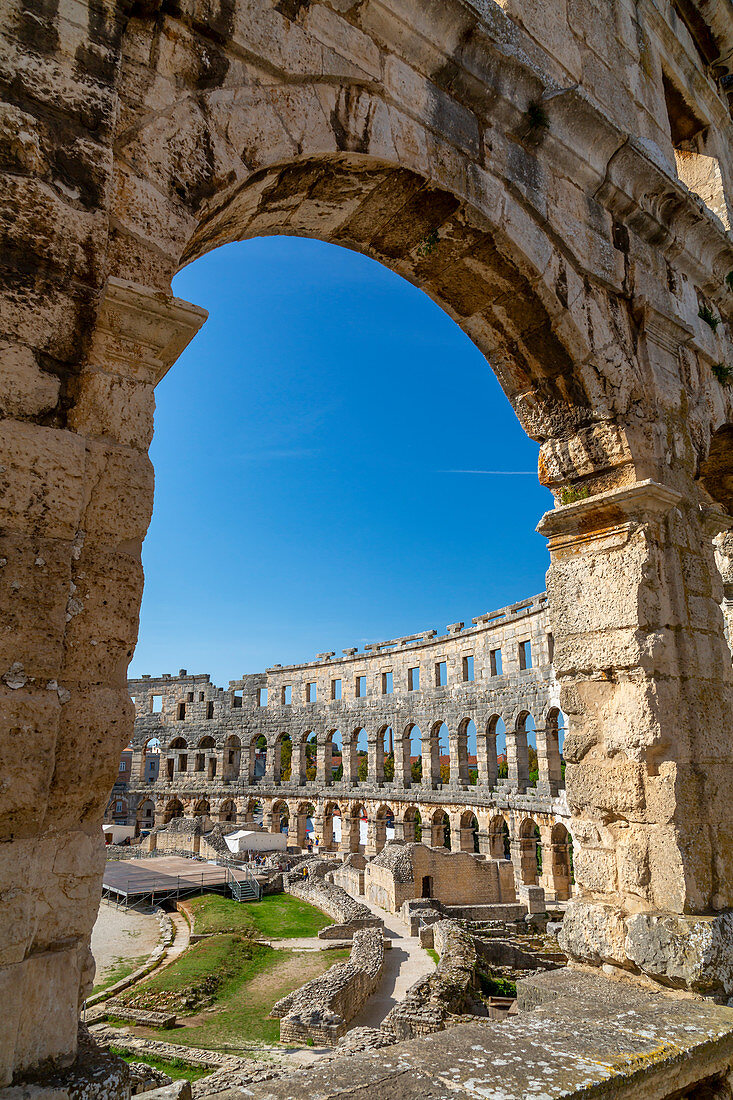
x,y
121,936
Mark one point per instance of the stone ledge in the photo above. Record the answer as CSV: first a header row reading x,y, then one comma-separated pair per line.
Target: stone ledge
x,y
595,1038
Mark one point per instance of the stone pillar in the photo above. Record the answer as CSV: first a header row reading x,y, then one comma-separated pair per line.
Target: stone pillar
x,y
349,757
319,826
484,843
430,762
76,505
371,847
399,830
275,759
646,683
349,833
375,749
456,833
137,767
517,759
402,775
548,761
327,833
298,759
458,749
324,770
486,759
408,830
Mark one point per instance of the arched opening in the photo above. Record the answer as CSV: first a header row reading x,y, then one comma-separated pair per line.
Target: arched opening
x,y
332,831
412,825
310,743
362,755
283,763
440,830
336,742
465,747
253,813
442,750
228,812
383,827
469,832
202,808
305,833
386,741
280,819
471,734
551,767
530,852
145,816
560,870
499,838
412,750
150,757
173,809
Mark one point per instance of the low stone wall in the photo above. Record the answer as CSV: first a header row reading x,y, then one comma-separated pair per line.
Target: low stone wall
x,y
404,871
445,993
486,912
350,876
321,1009
349,915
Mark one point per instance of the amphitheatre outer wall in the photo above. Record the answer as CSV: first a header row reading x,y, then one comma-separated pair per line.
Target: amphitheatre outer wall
x,y
208,738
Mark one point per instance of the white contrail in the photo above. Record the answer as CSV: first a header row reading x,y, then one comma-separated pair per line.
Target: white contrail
x,y
506,473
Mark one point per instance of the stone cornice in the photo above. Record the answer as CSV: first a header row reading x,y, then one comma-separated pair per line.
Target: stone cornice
x,y
605,512
141,332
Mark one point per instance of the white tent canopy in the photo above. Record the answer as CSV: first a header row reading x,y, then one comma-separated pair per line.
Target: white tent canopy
x,y
246,840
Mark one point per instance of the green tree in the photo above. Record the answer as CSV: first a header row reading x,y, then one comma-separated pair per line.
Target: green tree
x,y
416,770
286,757
362,767
389,767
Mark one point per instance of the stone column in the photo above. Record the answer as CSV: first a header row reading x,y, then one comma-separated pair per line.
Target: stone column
x,y
458,749
75,508
456,833
430,766
486,759
517,760
646,683
402,776
548,761
275,757
399,830
348,755
375,749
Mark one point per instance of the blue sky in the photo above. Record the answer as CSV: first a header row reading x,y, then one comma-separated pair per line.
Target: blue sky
x,y
305,452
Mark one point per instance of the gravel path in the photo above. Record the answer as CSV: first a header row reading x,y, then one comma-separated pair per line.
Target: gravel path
x,y
404,963
121,935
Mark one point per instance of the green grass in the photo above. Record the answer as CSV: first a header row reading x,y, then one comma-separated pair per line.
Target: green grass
x,y
175,1068
121,969
433,954
226,985
278,917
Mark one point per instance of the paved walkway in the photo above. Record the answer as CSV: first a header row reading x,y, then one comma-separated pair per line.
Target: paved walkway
x,y
404,963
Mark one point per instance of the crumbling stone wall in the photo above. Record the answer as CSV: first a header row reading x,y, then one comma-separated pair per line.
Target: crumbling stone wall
x,y
532,171
349,915
400,872
321,1009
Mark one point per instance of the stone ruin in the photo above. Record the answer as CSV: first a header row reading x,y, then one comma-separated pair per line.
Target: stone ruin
x,y
558,179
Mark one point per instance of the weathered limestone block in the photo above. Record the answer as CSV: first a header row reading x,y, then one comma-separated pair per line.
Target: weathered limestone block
x,y
687,952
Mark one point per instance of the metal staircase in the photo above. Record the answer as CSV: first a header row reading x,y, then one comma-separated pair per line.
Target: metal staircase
x,y
244,889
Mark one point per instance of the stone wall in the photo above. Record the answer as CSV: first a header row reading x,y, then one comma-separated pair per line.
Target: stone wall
x,y
349,915
321,1009
557,178
408,871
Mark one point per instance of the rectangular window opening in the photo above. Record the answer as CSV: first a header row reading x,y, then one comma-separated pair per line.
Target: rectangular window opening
x,y
189,697
236,698
550,648
335,689
525,655
201,697
468,668
210,710
310,692
157,706
387,682
262,697
181,711
495,661
696,167
360,687
287,695
413,679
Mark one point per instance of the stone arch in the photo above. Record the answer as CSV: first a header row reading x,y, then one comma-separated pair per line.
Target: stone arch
x,y
331,838
499,837
279,816
228,811
411,768
202,808
150,747
360,739
469,831
172,809
334,751
282,758
528,867
383,818
487,751
383,754
559,867
144,815
253,810
255,756
412,825
549,749
440,829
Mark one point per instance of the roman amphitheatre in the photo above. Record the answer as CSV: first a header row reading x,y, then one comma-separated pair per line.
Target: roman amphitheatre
x,y
556,177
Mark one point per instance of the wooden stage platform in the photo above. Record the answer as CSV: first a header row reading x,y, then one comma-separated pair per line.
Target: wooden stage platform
x,y
163,877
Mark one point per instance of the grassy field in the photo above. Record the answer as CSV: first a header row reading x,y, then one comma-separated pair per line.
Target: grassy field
x,y
279,917
223,988
175,1068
